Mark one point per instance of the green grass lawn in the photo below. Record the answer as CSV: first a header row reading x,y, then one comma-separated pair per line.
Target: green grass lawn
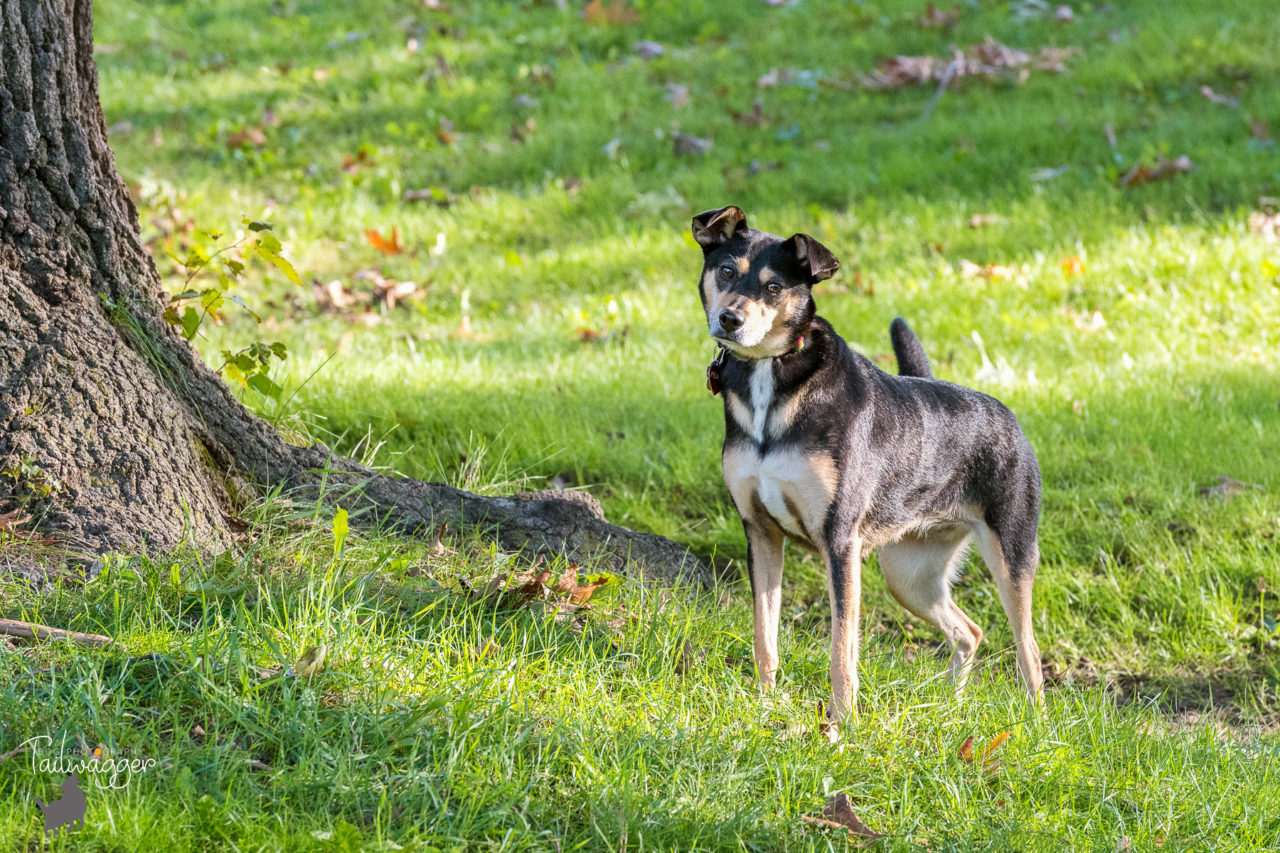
x,y
1132,329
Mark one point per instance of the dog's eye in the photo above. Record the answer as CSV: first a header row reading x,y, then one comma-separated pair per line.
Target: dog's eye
x,y
726,271
775,288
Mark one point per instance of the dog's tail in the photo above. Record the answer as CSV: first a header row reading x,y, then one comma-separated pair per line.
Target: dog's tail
x,y
912,360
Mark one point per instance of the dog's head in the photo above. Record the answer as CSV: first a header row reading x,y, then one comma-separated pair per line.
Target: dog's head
x,y
756,286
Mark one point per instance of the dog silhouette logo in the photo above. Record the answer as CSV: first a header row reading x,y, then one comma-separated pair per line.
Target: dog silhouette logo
x,y
67,811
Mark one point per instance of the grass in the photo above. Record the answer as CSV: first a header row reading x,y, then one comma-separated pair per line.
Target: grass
x,y
418,731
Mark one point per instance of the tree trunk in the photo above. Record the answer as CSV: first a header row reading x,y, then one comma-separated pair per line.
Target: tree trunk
x,y
113,432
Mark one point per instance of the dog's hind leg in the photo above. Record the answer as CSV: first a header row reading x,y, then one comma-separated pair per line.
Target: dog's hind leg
x,y
764,566
919,571
1014,580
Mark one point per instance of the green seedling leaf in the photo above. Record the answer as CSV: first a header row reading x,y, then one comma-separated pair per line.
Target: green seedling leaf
x,y
269,242
263,384
190,323
240,301
235,374
283,265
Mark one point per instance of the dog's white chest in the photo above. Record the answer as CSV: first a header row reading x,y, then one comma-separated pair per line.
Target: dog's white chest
x,y
792,487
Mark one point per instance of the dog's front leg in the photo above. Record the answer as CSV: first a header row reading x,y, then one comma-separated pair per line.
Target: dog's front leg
x,y
844,581
764,564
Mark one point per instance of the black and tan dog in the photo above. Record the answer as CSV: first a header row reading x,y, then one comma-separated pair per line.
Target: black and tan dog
x,y
824,448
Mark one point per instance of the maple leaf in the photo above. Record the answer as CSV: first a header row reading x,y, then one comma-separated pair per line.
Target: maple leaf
x,y
387,245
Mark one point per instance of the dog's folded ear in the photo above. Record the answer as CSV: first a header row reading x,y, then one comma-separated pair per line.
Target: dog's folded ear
x,y
714,227
814,256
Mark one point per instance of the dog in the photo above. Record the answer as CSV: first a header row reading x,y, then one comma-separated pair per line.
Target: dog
x,y
825,449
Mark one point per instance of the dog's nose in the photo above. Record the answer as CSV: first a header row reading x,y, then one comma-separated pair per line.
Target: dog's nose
x,y
730,320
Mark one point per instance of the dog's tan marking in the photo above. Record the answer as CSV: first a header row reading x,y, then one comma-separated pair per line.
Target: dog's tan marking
x,y
710,293
844,632
738,409
1016,598
766,569
919,568
785,413
744,265
766,275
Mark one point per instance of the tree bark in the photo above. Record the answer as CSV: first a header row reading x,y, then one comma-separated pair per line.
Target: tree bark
x,y
113,432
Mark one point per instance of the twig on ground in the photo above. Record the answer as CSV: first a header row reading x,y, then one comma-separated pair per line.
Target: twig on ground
x,y
32,631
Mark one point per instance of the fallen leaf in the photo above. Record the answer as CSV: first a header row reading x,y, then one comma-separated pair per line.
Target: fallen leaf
x,y
988,59
249,136
996,742
966,749
352,163
648,49
599,13
387,245
1093,321
1265,225
10,522
755,118
1048,173
677,95
994,272
1072,266
311,661
687,143
839,811
1228,487
684,659
1221,100
939,19
1164,168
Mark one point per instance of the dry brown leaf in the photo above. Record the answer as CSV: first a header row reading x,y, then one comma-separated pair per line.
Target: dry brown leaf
x,y
989,59
10,521
1228,487
387,245
1265,225
249,136
839,811
1221,100
687,143
1163,169
755,118
994,272
966,749
615,12
939,19
352,163
996,743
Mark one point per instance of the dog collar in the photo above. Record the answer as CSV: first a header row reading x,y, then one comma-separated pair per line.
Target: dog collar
x,y
716,368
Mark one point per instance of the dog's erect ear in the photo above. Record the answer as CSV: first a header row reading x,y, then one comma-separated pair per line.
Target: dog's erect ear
x,y
814,256
714,227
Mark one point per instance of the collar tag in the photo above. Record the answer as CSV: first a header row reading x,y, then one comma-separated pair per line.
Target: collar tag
x,y
714,383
